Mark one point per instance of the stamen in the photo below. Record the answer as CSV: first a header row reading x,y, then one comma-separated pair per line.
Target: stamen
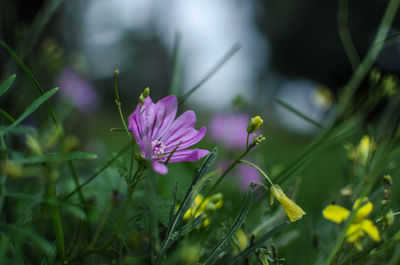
x,y
158,148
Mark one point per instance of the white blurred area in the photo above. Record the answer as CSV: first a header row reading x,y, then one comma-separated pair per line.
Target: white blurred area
x,y
208,28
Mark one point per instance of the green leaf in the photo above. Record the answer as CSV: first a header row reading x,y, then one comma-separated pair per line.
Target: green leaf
x,y
6,84
215,253
56,157
187,200
36,104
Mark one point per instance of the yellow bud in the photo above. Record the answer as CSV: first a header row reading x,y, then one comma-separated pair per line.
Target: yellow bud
x,y
254,124
293,211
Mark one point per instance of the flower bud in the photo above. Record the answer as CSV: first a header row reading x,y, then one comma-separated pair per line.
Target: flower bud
x,y
293,211
387,180
254,124
141,99
33,145
146,92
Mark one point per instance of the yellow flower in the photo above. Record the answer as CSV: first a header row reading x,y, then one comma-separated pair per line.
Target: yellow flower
x,y
359,226
240,241
362,152
291,208
204,205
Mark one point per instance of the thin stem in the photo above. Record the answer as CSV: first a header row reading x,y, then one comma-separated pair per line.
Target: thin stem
x,y
247,140
55,216
118,103
227,171
259,169
7,116
109,163
343,29
212,71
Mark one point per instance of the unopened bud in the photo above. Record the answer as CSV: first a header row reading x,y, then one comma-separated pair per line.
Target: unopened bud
x,y
387,179
257,140
141,99
293,211
146,92
33,145
388,218
254,124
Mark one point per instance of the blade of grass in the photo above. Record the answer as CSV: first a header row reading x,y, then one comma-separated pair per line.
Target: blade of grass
x,y
176,66
299,113
36,104
187,201
249,250
98,172
373,52
6,84
345,37
232,51
215,253
50,110
56,157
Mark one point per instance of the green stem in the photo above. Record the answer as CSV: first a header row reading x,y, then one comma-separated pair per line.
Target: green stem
x,y
227,171
7,116
55,216
372,54
50,109
344,34
109,163
259,169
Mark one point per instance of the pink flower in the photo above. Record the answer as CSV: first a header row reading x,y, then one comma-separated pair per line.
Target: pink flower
x,y
248,174
230,129
77,90
158,134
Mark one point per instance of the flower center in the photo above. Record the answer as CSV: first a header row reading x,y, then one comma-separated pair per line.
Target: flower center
x,y
158,148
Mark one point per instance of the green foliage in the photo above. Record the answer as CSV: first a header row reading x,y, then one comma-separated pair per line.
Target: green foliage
x,y
111,208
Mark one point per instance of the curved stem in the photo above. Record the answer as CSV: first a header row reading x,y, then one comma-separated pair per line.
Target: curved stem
x,y
259,169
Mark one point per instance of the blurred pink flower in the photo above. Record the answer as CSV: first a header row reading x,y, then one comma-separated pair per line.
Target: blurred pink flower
x,y
244,174
158,134
77,90
230,129
247,174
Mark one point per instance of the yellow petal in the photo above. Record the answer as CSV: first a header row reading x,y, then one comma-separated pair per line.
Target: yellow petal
x,y
364,210
369,227
354,233
293,211
335,213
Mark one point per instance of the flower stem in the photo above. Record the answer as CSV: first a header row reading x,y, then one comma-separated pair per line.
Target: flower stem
x,y
118,103
259,169
227,171
55,216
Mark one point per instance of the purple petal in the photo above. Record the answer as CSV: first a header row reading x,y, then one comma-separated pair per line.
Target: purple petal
x,y
185,138
180,125
186,155
165,112
137,126
160,168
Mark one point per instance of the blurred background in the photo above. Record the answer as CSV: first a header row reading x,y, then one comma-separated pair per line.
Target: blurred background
x,y
289,51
